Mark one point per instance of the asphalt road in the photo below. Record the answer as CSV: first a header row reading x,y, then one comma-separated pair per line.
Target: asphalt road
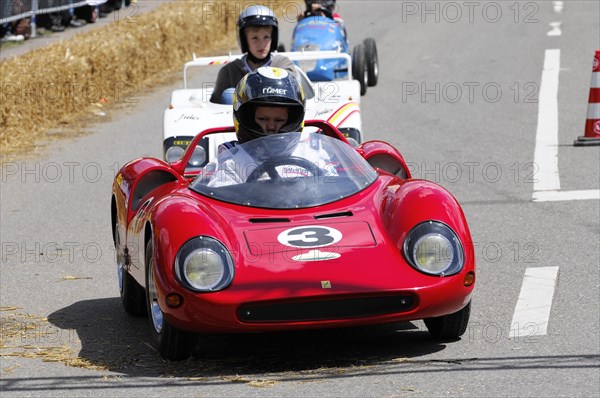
x,y
461,95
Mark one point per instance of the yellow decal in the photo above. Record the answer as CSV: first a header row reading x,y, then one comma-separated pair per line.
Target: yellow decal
x,y
326,284
344,110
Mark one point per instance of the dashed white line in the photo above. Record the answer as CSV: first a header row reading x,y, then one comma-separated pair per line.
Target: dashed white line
x,y
558,6
555,26
532,311
546,139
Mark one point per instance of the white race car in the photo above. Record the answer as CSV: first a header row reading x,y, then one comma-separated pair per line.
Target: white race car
x,y
190,111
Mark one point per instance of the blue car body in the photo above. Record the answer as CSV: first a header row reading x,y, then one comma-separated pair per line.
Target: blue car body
x,y
316,33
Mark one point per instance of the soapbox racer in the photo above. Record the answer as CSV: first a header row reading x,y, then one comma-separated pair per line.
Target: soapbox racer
x,y
322,33
304,232
190,110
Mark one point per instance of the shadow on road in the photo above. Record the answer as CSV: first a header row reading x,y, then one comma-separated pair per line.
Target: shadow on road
x,y
113,340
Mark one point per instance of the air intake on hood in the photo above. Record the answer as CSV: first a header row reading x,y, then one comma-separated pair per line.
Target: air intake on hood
x,y
334,215
268,220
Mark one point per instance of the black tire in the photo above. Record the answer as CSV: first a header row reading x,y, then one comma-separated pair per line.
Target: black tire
x,y
172,344
359,67
372,61
449,327
118,4
133,296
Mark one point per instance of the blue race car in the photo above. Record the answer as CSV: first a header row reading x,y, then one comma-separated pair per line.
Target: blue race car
x,y
323,33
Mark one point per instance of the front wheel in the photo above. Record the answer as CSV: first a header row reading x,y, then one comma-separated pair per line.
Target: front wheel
x,y
172,343
132,294
359,67
449,327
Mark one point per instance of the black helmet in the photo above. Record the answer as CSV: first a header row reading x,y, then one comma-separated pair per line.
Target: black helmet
x,y
328,5
267,86
256,15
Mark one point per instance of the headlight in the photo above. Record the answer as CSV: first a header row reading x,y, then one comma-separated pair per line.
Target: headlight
x,y
433,248
203,264
174,153
198,157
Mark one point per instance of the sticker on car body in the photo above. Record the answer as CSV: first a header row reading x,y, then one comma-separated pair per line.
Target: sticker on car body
x,y
309,236
336,236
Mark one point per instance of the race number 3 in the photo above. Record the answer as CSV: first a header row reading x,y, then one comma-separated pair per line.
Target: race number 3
x,y
309,236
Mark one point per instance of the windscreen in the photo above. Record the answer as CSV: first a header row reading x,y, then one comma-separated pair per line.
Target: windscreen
x,y
285,171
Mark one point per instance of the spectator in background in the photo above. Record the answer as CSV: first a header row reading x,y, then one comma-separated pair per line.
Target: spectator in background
x,y
54,21
20,29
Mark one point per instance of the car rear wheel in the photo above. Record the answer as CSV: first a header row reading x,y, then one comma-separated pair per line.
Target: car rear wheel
x,y
359,67
172,343
449,327
372,61
132,294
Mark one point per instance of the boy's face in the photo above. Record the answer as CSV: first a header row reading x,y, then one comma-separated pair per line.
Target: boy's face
x,y
271,119
259,40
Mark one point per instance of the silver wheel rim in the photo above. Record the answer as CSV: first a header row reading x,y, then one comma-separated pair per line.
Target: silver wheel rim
x,y
155,312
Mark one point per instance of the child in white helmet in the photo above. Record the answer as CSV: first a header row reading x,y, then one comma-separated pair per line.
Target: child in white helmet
x,y
257,32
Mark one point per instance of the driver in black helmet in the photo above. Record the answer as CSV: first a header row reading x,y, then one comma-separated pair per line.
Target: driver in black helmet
x,y
267,103
257,34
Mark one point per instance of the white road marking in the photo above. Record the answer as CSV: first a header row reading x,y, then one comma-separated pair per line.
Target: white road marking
x,y
546,186
546,139
558,6
533,305
555,196
555,26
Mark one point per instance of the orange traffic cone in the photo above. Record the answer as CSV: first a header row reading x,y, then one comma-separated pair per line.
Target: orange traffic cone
x,y
592,124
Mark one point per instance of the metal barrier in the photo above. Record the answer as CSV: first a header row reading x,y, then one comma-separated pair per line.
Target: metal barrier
x,y
14,10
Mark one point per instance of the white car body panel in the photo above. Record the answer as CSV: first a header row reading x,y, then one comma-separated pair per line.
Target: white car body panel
x,y
191,112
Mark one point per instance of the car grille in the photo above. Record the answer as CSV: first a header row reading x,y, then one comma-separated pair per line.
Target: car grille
x,y
357,307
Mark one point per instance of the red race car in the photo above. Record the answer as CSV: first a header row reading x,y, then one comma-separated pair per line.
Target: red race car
x,y
286,232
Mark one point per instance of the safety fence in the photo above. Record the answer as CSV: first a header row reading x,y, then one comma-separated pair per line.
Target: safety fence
x,y
13,10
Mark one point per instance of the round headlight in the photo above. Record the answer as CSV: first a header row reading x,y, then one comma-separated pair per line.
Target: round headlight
x,y
203,269
204,264
198,157
433,248
174,153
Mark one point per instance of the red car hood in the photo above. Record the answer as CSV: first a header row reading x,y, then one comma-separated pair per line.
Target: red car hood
x,y
313,238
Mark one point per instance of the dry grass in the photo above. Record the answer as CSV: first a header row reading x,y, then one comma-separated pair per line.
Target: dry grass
x,y
53,87
21,336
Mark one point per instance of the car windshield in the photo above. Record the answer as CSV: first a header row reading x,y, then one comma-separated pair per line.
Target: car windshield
x,y
285,171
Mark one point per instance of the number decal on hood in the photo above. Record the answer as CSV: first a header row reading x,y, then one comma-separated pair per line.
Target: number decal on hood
x,y
309,236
